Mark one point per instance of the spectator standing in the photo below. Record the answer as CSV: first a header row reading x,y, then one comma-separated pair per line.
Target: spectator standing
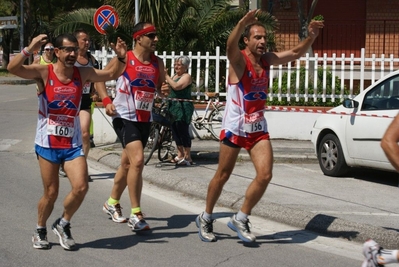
x,y
181,110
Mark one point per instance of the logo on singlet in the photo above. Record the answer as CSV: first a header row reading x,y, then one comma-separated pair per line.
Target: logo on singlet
x,y
253,96
145,69
142,83
64,90
59,104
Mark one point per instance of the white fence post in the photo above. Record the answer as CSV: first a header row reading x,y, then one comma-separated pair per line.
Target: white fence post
x,y
334,61
324,77
352,64
217,69
362,67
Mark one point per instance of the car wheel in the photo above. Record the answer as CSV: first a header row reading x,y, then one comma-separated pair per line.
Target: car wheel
x,y
330,156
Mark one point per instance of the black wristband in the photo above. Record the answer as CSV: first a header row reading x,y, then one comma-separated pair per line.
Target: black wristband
x,y
122,59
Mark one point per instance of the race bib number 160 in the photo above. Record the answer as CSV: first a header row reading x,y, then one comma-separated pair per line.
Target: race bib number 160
x,y
60,125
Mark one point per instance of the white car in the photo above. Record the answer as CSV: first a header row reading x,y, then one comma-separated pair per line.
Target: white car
x,y
350,135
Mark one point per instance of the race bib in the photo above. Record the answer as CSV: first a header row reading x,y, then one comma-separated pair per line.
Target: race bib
x,y
86,88
144,100
254,122
60,125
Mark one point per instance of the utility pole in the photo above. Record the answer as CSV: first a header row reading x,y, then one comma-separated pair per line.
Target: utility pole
x,y
136,11
21,30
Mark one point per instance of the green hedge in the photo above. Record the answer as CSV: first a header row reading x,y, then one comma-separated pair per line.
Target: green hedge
x,y
310,102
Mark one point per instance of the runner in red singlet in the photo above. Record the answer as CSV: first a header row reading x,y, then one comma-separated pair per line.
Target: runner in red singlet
x,y
58,137
131,109
244,125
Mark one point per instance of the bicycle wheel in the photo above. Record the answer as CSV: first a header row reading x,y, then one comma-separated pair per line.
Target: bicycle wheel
x,y
165,149
215,121
152,143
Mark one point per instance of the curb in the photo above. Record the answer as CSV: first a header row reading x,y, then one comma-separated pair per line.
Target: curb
x,y
322,224
16,82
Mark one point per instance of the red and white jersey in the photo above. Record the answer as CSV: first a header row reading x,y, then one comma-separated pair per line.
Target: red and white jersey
x,y
58,124
245,102
136,88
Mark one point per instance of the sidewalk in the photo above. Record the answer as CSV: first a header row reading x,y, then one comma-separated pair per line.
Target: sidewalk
x,y
287,200
15,80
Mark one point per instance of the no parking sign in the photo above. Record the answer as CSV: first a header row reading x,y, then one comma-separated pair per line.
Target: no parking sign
x,y
104,17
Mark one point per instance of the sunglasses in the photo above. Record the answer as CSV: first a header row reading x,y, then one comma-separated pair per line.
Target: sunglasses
x,y
48,49
151,35
69,49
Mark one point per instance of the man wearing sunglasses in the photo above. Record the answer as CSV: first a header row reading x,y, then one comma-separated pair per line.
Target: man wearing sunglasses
x,y
58,136
131,112
85,59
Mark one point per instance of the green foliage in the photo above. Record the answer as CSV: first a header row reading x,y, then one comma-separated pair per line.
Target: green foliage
x,y
302,75
69,22
319,18
4,72
6,8
189,25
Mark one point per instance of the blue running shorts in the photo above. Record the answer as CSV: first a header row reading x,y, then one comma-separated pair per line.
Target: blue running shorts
x,y
59,155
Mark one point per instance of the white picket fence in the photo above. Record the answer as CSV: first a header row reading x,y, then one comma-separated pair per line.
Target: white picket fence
x,y
351,70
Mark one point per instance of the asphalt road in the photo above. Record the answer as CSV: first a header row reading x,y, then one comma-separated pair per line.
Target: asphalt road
x,y
355,207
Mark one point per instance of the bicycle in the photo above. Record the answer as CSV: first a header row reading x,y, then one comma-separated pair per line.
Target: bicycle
x,y
212,119
160,137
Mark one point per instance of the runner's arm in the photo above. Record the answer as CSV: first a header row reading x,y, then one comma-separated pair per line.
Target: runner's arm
x,y
36,71
116,66
236,59
162,91
278,58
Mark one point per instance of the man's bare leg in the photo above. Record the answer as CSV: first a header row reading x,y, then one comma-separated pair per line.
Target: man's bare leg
x,y
262,158
50,179
227,160
85,118
120,179
135,154
76,170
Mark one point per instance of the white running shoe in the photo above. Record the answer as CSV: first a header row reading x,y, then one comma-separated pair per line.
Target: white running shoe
x,y
115,211
371,250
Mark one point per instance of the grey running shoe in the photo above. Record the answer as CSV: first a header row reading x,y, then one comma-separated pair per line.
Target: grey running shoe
x,y
242,229
39,239
137,223
371,250
62,172
205,229
115,211
64,235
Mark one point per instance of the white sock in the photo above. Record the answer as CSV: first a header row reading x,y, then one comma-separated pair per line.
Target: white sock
x,y
388,256
241,216
63,222
207,216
